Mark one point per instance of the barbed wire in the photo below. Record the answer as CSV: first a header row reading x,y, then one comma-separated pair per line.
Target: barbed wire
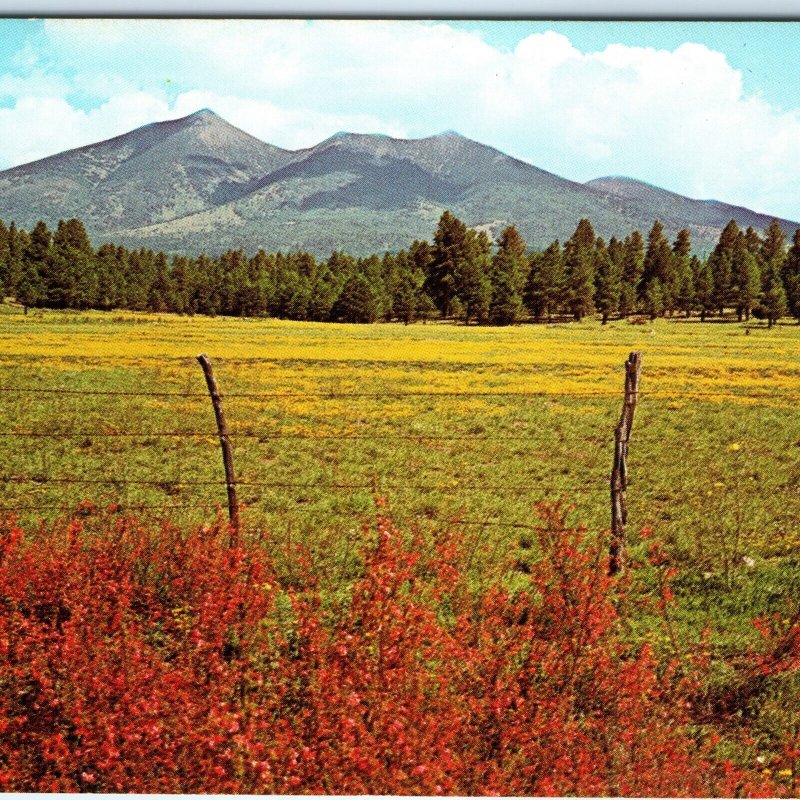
x,y
672,393
261,436
121,508
586,486
333,394
117,507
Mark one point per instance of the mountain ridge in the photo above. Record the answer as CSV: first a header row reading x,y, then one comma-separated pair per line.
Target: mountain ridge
x,y
198,183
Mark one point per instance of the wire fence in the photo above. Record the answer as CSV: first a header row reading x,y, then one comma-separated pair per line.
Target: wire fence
x,y
672,393
594,485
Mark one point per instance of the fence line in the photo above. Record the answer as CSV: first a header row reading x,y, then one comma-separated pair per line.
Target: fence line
x,y
362,432
119,505
123,507
672,394
263,436
587,486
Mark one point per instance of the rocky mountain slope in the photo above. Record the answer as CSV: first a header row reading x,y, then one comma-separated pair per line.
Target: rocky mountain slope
x,y
200,184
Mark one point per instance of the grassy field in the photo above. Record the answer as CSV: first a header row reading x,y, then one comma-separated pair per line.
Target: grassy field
x,y
459,427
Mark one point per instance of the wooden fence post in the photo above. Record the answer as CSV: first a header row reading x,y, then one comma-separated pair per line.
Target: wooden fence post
x,y
225,443
619,472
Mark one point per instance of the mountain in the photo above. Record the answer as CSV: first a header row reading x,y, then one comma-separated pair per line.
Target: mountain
x,y
200,184
159,172
677,211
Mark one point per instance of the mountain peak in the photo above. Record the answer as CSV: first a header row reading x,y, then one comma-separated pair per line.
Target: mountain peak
x,y
205,113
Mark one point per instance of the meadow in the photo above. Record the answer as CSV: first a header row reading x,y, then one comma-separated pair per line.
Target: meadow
x,y
460,429
453,426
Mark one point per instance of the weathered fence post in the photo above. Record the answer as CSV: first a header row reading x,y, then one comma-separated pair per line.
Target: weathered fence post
x,y
225,443
619,472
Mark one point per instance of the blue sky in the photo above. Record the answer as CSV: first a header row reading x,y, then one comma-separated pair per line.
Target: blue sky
x,y
704,109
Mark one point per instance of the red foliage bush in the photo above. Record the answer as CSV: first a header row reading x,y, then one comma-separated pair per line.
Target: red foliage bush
x,y
170,662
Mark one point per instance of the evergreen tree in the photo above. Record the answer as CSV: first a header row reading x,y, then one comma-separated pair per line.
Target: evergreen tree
x,y
721,263
405,300
17,242
773,258
658,266
791,276
447,261
426,308
421,255
608,282
30,287
137,282
508,278
545,287
773,246
6,286
473,287
32,273
654,299
683,282
753,240
159,289
204,299
773,297
579,267
358,302
110,278
704,290
745,277
71,277
632,268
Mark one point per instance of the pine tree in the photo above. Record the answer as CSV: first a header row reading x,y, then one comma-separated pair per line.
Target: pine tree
x,y
32,272
30,287
447,261
608,282
753,240
508,278
704,290
71,276
721,263
683,285
358,301
110,278
773,296
472,283
658,265
160,287
773,246
745,278
407,293
632,267
579,267
546,284
17,242
6,286
791,276
654,299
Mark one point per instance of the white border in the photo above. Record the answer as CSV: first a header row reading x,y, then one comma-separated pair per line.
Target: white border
x,y
542,9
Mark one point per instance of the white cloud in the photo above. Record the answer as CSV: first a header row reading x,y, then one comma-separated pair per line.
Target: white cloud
x,y
678,118
40,126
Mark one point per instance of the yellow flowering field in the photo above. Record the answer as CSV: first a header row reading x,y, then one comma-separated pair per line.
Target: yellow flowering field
x,y
455,426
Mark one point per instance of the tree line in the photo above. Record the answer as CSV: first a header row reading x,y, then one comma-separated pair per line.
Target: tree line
x,y
460,275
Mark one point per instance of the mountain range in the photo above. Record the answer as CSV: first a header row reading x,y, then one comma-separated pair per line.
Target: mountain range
x,y
200,184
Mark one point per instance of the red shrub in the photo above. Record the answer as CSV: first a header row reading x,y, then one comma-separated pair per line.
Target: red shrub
x,y
167,662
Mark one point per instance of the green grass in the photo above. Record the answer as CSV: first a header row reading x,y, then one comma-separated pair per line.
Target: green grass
x,y
714,471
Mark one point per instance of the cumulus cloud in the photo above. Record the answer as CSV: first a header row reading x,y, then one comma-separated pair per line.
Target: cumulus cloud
x,y
678,118
36,127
